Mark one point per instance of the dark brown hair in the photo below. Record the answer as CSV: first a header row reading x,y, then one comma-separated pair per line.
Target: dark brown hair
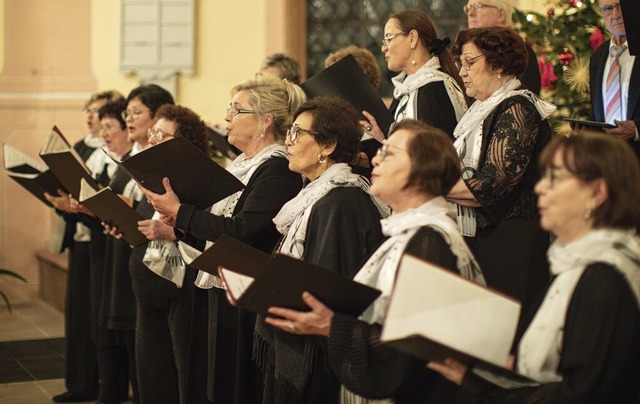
x,y
591,156
188,124
419,21
334,120
151,96
113,109
502,47
435,165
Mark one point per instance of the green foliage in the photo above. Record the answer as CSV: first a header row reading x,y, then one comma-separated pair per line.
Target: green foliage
x,y
564,40
12,274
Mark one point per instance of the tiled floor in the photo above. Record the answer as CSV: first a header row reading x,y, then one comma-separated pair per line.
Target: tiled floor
x,y
32,321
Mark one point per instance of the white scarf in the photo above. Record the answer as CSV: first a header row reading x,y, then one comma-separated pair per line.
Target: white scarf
x,y
293,218
540,349
406,90
242,168
468,134
380,270
163,258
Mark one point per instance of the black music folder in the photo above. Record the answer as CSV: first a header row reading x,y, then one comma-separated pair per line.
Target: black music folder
x,y
592,124
346,79
32,175
194,177
65,163
256,281
112,210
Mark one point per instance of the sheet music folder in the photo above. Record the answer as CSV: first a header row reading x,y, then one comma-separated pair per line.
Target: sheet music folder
x,y
346,79
65,163
33,176
280,280
435,314
194,177
112,210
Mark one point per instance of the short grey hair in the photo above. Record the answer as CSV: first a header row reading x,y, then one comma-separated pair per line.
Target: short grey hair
x,y
507,6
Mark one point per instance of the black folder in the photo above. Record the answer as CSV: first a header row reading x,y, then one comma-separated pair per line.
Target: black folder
x,y
65,163
112,210
593,124
280,280
194,177
33,177
346,79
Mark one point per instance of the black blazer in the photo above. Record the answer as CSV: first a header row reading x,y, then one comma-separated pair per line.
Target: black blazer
x,y
596,74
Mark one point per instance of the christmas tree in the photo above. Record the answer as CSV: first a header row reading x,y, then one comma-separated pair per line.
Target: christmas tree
x,y
564,39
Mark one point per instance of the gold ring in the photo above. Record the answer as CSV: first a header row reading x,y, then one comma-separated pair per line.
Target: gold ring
x,y
292,328
368,128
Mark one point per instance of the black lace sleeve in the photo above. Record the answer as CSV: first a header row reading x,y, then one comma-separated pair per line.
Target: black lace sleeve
x,y
513,137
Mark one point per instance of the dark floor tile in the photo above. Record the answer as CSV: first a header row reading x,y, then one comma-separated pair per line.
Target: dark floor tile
x,y
31,360
11,372
44,368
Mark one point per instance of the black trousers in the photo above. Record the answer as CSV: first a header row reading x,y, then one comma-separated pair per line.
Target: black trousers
x,y
81,371
163,332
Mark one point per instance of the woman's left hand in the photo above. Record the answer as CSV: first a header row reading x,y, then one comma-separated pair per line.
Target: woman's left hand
x,y
156,230
166,204
451,369
314,322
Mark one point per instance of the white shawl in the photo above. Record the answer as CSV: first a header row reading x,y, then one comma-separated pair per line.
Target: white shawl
x,y
406,90
380,270
293,218
540,349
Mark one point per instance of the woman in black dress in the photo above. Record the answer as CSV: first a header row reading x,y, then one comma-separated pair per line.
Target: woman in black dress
x,y
412,172
581,344
259,113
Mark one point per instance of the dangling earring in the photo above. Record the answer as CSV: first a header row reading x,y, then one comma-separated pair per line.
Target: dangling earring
x,y
499,75
587,214
322,158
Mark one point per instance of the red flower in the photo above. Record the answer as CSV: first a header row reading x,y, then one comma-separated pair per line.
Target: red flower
x,y
566,58
573,3
550,12
596,39
547,76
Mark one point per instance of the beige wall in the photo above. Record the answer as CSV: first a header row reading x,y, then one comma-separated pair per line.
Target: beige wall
x,y
230,44
57,58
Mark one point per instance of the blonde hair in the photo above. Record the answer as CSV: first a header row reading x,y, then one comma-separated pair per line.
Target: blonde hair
x,y
275,97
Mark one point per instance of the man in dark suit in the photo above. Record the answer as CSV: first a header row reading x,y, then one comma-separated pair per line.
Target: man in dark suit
x,y
615,79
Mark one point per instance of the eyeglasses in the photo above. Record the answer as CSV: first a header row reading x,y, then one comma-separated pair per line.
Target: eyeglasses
x,y
386,40
552,175
158,134
383,152
133,114
608,9
107,127
88,110
294,131
476,7
233,111
467,63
